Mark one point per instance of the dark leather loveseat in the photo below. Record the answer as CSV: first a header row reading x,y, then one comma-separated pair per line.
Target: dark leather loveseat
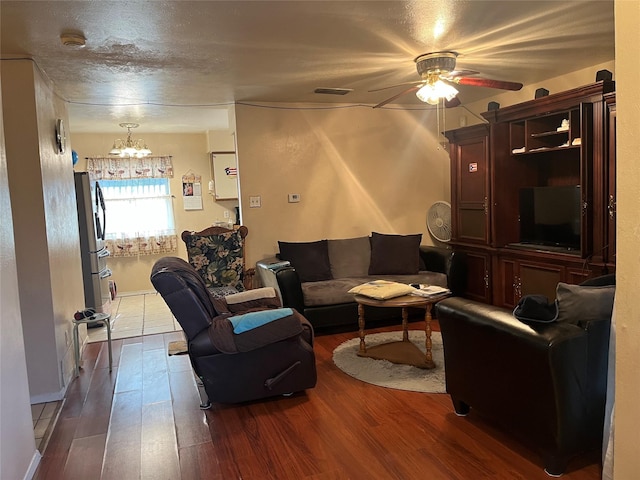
x,y
263,359
325,301
543,382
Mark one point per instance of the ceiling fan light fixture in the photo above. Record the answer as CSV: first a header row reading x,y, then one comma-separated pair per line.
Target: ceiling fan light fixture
x,y
432,93
436,63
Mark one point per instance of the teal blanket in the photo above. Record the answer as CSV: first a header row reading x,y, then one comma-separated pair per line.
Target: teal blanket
x,y
251,320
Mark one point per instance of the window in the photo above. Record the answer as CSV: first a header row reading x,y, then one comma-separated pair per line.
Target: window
x,y
139,214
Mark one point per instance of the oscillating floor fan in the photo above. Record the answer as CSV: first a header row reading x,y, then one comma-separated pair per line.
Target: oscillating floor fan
x,y
439,221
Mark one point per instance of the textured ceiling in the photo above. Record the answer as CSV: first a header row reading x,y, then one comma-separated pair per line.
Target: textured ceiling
x,y
174,66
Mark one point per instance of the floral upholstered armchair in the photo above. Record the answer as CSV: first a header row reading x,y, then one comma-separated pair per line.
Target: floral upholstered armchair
x,y
217,254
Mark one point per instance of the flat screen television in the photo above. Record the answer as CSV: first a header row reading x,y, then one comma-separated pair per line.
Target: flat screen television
x,y
550,216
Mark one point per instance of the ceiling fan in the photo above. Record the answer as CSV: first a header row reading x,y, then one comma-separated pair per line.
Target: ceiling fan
x,y
437,70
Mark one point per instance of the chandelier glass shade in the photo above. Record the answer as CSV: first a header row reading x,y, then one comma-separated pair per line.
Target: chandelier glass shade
x,y
130,148
432,92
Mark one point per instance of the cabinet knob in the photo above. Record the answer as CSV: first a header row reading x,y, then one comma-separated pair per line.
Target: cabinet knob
x,y
611,208
517,287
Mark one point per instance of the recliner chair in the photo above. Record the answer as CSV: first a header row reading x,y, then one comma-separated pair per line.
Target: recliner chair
x,y
268,358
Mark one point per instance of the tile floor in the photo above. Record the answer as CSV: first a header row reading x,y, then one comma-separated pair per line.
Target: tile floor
x,y
44,419
136,315
131,316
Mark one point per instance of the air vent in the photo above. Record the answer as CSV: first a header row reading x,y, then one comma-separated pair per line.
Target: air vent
x,y
333,91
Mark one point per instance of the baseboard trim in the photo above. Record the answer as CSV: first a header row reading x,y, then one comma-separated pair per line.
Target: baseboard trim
x,y
132,294
33,465
49,397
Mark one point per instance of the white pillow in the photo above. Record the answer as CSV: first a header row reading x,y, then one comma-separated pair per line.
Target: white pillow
x,y
382,289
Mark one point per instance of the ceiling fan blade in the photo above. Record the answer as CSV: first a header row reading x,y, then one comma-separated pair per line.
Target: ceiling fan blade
x,y
486,82
415,88
454,102
459,73
397,85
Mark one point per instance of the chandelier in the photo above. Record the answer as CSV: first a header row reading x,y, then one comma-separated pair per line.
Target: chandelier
x,y
129,147
434,90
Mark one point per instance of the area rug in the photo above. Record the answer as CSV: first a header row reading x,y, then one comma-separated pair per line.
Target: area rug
x,y
391,375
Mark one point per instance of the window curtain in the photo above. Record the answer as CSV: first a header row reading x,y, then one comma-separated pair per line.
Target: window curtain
x,y
140,198
124,168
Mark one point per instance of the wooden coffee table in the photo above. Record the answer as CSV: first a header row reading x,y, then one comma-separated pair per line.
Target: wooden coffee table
x,y
400,352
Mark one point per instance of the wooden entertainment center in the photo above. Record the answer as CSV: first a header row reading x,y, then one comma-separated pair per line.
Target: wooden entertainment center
x,y
564,139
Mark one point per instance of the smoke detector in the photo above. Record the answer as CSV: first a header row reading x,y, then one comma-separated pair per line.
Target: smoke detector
x,y
75,40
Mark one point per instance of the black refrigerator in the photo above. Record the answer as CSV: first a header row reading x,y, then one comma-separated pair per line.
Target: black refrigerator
x,y
94,254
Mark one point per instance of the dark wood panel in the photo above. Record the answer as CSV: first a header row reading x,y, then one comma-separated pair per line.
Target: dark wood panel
x,y
191,423
123,451
82,462
159,448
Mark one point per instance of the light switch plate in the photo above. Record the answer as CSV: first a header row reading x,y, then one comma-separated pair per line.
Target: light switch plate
x,y
294,197
255,202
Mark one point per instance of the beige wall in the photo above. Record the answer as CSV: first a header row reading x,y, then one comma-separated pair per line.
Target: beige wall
x,y
346,164
17,446
357,170
45,227
190,154
627,414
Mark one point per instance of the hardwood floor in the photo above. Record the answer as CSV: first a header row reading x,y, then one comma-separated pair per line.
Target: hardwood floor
x,y
142,422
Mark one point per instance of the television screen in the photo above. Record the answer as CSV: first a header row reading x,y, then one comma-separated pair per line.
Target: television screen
x,y
550,216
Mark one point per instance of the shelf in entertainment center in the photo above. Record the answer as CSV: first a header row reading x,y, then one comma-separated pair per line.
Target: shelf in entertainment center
x,y
545,150
548,134
532,247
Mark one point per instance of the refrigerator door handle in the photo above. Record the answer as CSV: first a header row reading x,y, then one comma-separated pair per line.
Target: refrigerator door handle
x,y
101,227
105,273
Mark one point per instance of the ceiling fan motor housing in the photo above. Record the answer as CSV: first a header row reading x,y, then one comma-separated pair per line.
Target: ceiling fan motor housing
x,y
436,63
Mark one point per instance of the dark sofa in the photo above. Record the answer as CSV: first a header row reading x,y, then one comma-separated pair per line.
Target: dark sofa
x,y
543,382
315,277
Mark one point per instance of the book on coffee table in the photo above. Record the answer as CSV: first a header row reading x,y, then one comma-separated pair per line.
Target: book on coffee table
x,y
430,291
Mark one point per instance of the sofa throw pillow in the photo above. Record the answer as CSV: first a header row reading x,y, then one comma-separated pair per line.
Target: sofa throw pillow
x,y
581,303
382,289
310,259
395,254
349,257
218,259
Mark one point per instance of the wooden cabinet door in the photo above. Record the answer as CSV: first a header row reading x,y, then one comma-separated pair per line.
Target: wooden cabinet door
x,y
539,279
478,265
505,287
520,277
471,190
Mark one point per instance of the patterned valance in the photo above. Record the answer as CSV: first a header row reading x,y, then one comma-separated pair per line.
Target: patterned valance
x,y
124,246
123,168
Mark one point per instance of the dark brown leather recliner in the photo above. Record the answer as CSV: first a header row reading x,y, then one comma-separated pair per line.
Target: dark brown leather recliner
x,y
543,382
273,358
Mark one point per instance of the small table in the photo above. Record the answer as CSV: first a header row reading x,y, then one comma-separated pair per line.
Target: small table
x,y
98,317
409,353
